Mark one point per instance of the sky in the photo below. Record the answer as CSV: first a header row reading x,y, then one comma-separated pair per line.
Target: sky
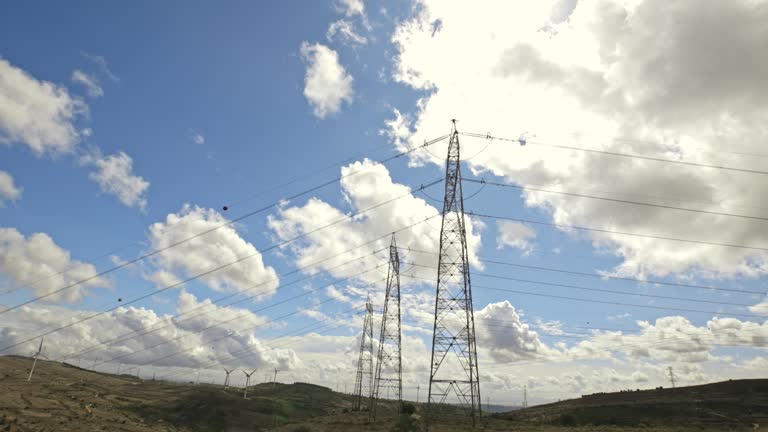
x,y
186,186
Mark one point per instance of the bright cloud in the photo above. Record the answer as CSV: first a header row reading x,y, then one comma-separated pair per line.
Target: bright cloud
x,y
114,174
590,68
327,85
365,185
39,114
345,31
8,189
44,266
179,341
90,83
222,246
515,235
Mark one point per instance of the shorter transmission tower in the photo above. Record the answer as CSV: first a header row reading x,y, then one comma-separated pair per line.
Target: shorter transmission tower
x,y
525,396
364,376
274,381
389,362
37,355
226,377
247,383
671,376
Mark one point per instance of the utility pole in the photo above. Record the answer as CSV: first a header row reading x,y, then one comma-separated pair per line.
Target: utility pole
x,y
364,375
247,383
389,364
454,324
671,376
37,355
226,377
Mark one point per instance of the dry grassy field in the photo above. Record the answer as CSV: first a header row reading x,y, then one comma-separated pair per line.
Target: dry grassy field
x,y
66,398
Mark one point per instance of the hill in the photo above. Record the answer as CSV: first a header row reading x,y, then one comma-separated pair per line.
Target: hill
x,y
63,397
736,403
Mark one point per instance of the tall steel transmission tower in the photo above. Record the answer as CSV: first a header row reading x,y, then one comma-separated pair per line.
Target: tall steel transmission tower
x,y
389,362
364,376
454,368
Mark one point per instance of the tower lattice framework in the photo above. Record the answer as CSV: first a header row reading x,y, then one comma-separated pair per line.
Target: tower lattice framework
x,y
389,380
364,376
454,374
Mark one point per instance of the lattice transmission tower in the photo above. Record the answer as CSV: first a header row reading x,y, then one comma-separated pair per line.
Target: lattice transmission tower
x,y
364,376
454,368
389,362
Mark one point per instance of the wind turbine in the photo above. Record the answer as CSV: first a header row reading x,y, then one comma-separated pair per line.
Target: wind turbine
x,y
37,355
226,378
247,382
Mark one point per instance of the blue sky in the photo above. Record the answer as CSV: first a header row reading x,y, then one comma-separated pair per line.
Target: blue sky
x,y
194,104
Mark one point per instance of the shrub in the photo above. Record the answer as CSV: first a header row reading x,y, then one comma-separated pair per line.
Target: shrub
x,y
568,420
408,408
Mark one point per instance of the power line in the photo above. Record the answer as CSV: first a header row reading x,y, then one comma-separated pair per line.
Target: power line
x,y
137,333
273,205
536,282
606,231
273,246
524,141
601,301
300,295
599,276
616,200
173,321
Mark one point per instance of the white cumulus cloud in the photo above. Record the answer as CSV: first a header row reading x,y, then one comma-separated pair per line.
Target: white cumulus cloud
x,y
586,78
217,248
114,174
8,189
39,114
39,262
327,85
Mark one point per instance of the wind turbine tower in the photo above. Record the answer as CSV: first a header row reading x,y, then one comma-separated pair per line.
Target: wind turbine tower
x,y
247,383
226,377
37,355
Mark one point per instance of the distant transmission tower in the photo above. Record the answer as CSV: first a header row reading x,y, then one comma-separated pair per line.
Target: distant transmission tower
x,y
671,376
525,396
37,355
364,377
389,362
454,368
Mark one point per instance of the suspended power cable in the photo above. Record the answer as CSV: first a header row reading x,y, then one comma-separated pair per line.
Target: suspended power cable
x,y
524,141
583,288
277,343
240,316
229,334
199,275
273,205
145,331
600,276
580,299
606,231
616,200
173,321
